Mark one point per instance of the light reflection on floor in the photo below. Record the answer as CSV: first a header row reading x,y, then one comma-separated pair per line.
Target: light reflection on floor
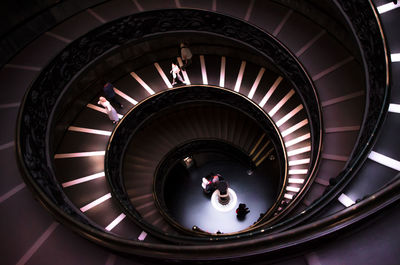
x,y
193,207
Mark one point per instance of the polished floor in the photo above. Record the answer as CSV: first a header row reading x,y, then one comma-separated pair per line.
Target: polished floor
x,y
190,206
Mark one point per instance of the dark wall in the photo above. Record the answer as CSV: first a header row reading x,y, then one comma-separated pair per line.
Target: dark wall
x,y
15,12
21,21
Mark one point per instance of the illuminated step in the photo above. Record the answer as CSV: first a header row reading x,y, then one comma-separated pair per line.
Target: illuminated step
x,y
240,76
299,151
142,83
385,160
299,162
298,171
84,179
296,181
270,91
115,222
256,83
345,200
387,7
96,202
88,130
203,70
81,154
395,108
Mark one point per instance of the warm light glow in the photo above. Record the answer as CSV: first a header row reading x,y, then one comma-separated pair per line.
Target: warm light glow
x,y
240,76
84,179
270,91
288,196
299,151
299,162
87,130
297,140
281,103
384,160
82,154
163,76
296,180
262,149
387,7
394,108
294,128
203,70
291,188
115,222
395,57
257,144
289,115
96,202
256,83
142,236
222,73
227,207
125,96
297,171
142,83
345,200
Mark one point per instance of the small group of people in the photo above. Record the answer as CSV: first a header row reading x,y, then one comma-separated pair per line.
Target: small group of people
x,y
108,100
213,182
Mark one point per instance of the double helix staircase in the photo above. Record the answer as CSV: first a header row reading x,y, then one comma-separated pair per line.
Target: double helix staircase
x,y
335,69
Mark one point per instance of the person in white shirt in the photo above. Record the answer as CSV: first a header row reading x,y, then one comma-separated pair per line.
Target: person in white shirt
x,y
111,112
186,55
175,71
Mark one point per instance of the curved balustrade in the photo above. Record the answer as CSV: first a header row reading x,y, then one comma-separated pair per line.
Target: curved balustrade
x,y
35,119
41,99
137,117
372,45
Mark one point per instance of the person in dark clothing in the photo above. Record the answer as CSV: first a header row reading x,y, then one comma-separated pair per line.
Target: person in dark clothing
x,y
222,186
223,196
241,211
110,95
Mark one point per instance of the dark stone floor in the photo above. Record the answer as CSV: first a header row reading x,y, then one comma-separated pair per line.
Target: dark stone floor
x,y
189,205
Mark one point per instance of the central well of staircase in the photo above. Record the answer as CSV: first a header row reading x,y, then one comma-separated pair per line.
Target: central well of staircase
x,y
207,208
166,146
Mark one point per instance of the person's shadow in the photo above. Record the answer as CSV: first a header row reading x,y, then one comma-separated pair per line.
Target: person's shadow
x,y
241,217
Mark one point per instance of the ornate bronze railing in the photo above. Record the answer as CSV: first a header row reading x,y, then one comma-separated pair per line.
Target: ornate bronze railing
x,y
36,115
157,103
363,20
42,102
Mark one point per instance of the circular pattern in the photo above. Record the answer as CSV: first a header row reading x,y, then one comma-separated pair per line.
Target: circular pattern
x,y
227,207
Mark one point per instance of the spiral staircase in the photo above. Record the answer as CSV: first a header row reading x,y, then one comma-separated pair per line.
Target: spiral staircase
x,y
347,188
